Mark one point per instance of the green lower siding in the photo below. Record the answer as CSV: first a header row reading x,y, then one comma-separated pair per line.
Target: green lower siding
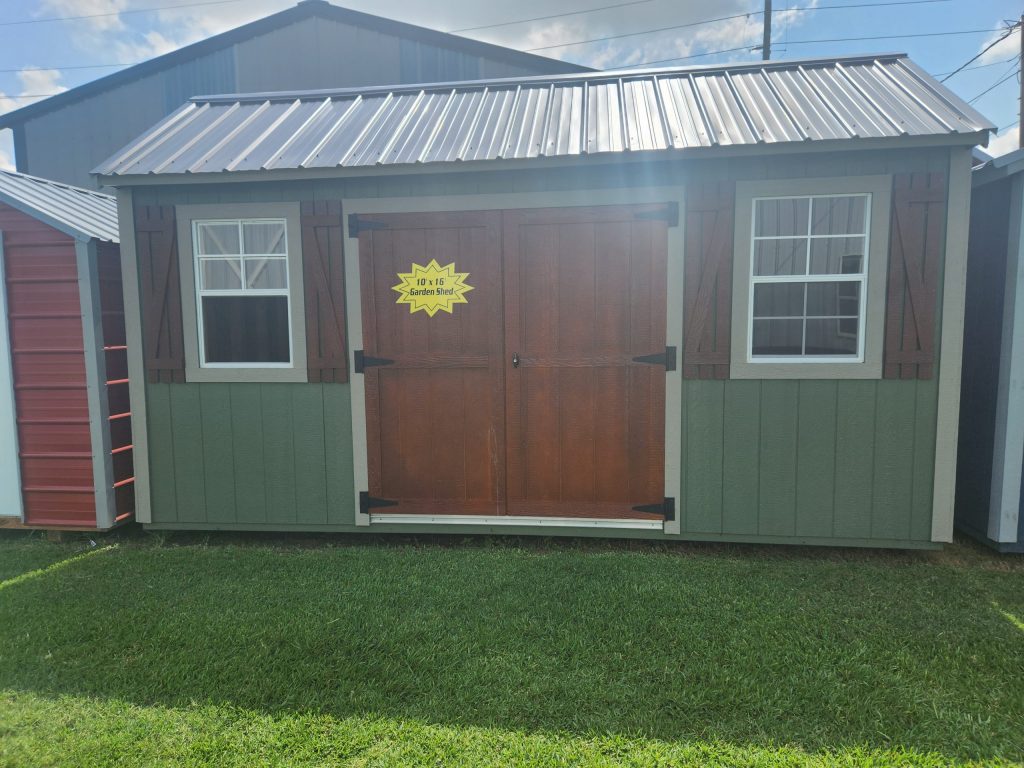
x,y
811,461
242,455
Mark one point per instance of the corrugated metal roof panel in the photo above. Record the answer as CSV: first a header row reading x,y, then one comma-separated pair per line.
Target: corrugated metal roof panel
x,y
81,213
559,116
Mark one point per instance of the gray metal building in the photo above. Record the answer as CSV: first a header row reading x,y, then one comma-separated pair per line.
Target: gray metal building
x,y
64,137
989,500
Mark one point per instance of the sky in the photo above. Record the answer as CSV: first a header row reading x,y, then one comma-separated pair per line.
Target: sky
x,y
42,52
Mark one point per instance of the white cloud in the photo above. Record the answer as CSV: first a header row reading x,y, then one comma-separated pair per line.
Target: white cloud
x,y
1005,142
41,81
1003,50
104,15
36,84
148,46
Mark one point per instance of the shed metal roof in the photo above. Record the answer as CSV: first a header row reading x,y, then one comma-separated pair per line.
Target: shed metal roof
x,y
996,168
81,213
552,116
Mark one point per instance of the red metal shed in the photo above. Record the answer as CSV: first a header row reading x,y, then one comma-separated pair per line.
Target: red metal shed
x,y
65,420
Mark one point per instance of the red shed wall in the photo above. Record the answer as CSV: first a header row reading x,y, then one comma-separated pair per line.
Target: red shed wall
x,y
108,271
49,372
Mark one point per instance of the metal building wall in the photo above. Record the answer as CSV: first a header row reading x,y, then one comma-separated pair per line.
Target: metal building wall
x,y
986,273
67,143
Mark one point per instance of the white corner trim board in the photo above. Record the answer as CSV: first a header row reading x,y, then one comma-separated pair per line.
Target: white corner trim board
x,y
10,471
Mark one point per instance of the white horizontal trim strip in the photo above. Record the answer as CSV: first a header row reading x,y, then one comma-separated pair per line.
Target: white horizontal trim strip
x,y
547,522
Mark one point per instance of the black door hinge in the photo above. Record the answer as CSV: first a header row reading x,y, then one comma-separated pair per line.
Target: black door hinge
x,y
666,358
357,224
365,361
666,508
669,213
368,502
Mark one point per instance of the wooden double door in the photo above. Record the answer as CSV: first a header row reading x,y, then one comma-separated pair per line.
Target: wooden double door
x,y
544,394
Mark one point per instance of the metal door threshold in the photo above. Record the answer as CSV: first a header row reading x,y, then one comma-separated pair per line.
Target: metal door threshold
x,y
517,520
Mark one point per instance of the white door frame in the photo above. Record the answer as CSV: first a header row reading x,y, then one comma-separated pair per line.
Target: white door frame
x,y
508,201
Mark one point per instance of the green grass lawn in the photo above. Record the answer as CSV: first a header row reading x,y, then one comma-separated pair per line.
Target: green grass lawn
x,y
230,651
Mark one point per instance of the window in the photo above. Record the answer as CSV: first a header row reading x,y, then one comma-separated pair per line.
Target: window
x,y
809,274
241,272
242,286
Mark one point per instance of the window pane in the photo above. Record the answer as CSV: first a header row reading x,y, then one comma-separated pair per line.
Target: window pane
x,y
220,274
263,236
837,256
780,257
779,300
781,216
266,273
216,238
838,215
246,329
777,338
831,336
833,299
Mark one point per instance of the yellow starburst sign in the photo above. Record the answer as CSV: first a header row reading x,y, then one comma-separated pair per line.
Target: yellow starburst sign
x,y
432,288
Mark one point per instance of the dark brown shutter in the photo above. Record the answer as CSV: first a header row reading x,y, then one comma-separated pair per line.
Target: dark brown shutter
x,y
915,256
159,293
707,293
323,272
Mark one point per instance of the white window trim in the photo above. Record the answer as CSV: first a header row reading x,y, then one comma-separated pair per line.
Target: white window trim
x,y
243,290
861,278
868,363
196,367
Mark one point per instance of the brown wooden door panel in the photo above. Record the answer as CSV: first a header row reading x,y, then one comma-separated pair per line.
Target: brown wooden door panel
x,y
435,414
577,429
584,295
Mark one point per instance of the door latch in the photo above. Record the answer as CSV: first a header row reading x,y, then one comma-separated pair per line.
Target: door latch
x,y
515,359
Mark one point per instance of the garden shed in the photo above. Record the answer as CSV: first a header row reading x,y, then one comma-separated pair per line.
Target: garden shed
x,y
989,495
719,303
65,420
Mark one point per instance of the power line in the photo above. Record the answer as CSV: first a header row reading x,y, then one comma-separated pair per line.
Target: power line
x,y
737,16
643,2
687,58
979,66
71,66
114,13
995,85
891,37
552,16
982,52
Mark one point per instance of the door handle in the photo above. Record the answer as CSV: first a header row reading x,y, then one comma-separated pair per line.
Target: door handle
x,y
515,359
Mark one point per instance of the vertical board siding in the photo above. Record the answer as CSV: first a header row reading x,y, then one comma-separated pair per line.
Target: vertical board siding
x,y
816,458
189,453
247,451
777,476
855,462
702,480
218,466
251,454
741,457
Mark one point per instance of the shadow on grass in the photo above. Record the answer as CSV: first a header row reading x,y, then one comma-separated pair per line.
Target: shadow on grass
x,y
822,654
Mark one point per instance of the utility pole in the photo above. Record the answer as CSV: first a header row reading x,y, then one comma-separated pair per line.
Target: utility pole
x,y
1020,77
766,43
